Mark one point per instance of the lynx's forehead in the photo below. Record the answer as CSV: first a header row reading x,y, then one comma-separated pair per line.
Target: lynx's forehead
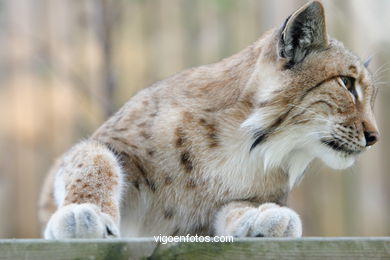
x,y
332,62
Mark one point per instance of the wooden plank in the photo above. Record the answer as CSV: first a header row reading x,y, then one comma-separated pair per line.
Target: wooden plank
x,y
307,248
40,249
247,248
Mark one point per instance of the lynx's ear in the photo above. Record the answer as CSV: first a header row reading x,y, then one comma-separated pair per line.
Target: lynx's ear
x,y
367,62
304,31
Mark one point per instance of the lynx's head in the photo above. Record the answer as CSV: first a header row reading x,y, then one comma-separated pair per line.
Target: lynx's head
x,y
314,98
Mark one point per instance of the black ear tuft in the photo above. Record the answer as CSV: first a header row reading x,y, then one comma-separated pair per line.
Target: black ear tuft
x,y
367,62
303,32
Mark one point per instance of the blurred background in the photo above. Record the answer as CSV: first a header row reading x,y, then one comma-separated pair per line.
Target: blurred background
x,y
65,66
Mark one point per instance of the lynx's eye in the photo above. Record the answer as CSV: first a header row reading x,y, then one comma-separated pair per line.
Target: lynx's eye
x,y
349,83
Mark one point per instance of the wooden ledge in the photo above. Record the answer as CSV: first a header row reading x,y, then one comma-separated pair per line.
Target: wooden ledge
x,y
343,248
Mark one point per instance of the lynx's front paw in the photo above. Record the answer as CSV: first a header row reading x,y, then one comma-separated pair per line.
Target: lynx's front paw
x,y
80,221
269,220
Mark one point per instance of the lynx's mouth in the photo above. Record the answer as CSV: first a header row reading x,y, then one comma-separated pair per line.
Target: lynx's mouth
x,y
340,146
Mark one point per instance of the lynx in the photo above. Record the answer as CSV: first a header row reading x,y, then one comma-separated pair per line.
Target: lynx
x,y
215,150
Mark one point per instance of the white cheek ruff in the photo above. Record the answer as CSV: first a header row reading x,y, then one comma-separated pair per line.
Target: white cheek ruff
x,y
258,119
289,150
298,162
332,158
292,148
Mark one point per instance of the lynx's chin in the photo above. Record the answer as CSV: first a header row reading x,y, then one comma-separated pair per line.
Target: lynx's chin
x,y
336,159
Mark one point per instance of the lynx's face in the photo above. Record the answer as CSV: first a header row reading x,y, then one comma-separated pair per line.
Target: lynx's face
x,y
316,100
334,106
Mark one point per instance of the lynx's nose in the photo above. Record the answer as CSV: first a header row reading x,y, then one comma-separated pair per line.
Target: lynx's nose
x,y
371,138
371,133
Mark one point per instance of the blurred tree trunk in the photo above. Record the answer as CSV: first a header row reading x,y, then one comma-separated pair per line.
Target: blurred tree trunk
x,y
103,27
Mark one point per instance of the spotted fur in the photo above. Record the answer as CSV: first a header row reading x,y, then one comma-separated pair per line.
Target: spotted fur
x,y
216,149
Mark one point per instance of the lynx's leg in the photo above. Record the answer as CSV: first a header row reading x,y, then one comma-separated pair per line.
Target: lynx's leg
x,y
242,219
87,189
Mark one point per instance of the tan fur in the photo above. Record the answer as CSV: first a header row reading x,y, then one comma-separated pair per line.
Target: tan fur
x,y
174,144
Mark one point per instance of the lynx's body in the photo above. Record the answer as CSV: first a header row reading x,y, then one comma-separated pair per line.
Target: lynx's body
x,y
216,149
